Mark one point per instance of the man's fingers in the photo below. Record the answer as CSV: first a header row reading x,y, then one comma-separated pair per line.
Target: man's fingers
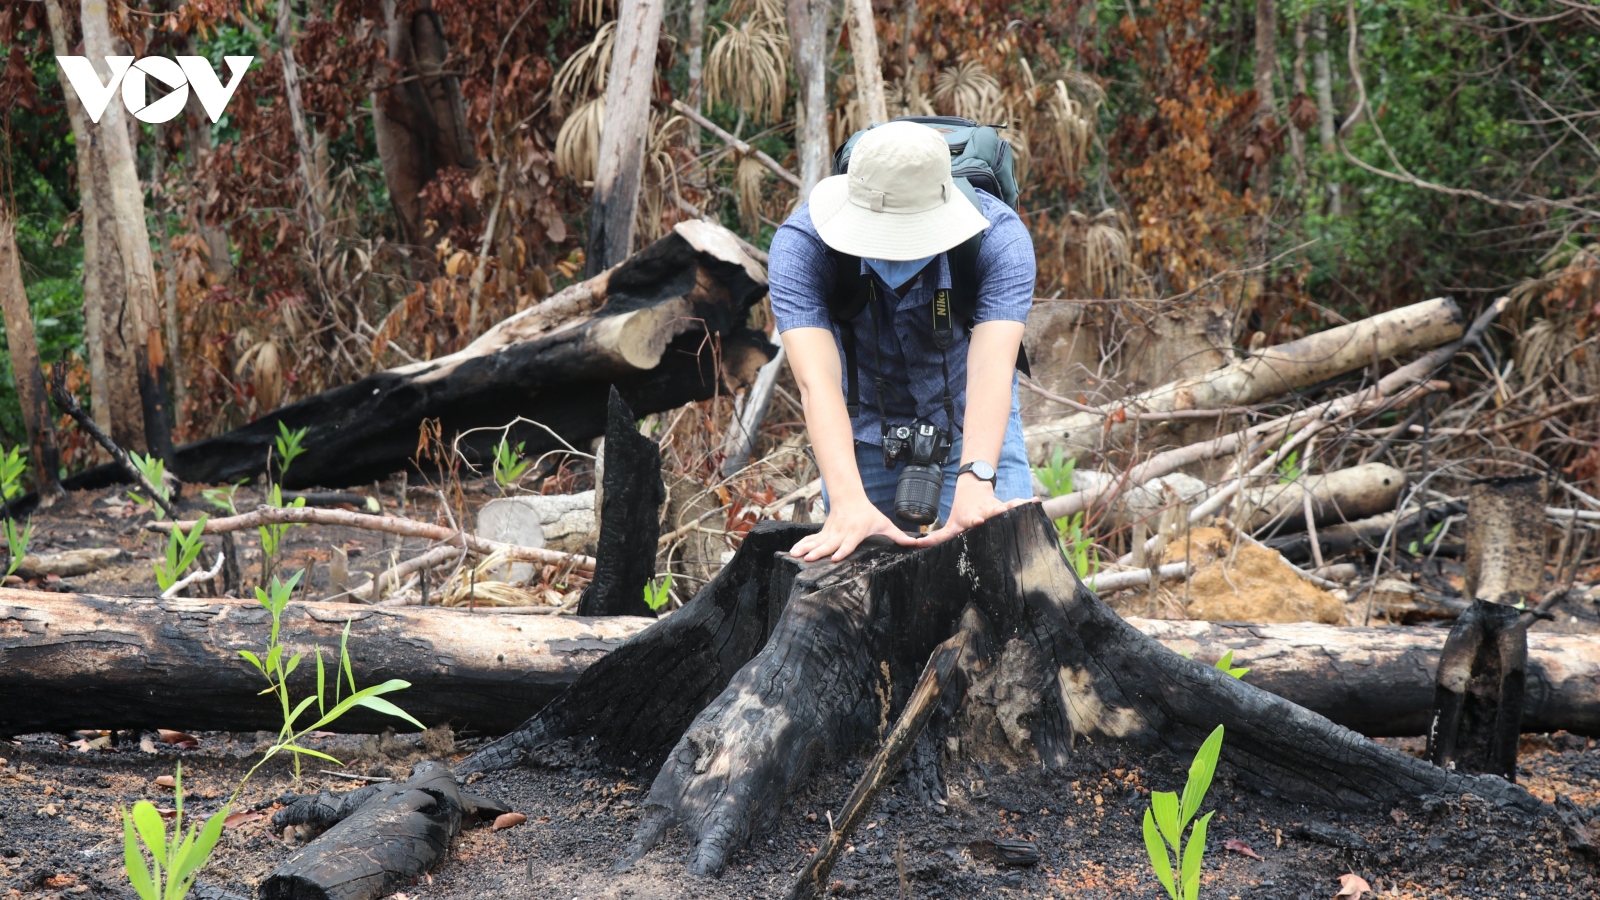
x,y
846,547
899,536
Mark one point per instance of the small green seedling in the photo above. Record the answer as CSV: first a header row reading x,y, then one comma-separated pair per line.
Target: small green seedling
x,y
272,535
508,462
1056,475
657,593
1225,664
173,864
1168,817
12,466
287,445
272,666
223,498
1415,549
16,544
1289,470
182,551
154,471
1078,545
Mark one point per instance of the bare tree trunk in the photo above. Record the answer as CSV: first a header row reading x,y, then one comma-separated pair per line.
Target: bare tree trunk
x,y
697,53
869,68
219,255
1266,94
297,118
1324,85
1297,138
24,349
112,395
169,298
139,316
615,202
808,40
419,120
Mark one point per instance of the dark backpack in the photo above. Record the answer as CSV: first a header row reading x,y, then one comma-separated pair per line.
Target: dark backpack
x,y
979,159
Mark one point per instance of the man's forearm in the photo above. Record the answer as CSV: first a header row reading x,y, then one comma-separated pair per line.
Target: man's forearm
x,y
991,369
814,359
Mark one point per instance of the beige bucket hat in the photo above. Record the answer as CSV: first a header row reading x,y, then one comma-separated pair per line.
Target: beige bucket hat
x,y
898,201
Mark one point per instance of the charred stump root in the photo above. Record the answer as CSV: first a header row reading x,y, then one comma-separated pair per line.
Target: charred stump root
x,y
378,838
1477,706
630,523
844,652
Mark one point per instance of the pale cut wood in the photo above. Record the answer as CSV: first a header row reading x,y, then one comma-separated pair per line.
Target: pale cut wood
x,y
1344,495
623,134
1506,543
1265,374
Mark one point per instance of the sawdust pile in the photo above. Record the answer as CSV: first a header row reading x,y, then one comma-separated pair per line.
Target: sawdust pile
x,y
1255,587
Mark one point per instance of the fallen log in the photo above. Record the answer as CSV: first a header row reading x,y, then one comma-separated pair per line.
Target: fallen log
x,y
67,660
70,661
851,633
1344,495
666,327
1367,534
377,838
1268,373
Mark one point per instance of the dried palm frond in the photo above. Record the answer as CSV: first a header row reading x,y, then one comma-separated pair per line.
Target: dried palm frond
x,y
578,142
583,75
659,176
262,365
748,68
904,98
1106,258
748,179
969,89
1072,130
764,12
1021,149
1547,349
590,12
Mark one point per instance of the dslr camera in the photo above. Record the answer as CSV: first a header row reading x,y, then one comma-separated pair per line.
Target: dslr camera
x,y
923,448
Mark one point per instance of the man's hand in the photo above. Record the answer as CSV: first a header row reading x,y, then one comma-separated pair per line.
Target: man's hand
x,y
974,504
847,525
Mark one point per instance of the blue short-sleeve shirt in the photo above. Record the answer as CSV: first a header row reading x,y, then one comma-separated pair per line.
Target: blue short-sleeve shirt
x,y
801,275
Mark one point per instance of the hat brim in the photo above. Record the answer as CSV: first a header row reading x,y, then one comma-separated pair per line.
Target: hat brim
x,y
893,236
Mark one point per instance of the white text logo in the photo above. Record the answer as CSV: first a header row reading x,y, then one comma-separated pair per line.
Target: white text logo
x,y
179,75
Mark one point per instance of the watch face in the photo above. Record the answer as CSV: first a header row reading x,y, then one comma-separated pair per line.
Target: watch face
x,y
982,470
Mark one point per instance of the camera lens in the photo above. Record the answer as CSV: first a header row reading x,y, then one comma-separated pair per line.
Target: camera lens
x,y
916,495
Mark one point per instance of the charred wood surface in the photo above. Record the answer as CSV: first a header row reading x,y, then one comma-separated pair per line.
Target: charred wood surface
x,y
82,661
377,839
856,631
648,337
630,518
1478,700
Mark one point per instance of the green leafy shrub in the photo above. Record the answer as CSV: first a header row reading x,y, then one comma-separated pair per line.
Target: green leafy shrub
x,y
288,446
1056,475
13,465
508,463
182,551
1168,817
657,593
154,471
174,863
16,544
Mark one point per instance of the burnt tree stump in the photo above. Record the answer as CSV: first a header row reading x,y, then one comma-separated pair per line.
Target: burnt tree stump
x,y
630,518
1478,697
776,666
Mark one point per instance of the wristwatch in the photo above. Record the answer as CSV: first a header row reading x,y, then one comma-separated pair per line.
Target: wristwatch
x,y
979,469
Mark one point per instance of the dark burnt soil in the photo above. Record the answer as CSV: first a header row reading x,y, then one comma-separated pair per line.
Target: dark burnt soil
x,y
60,834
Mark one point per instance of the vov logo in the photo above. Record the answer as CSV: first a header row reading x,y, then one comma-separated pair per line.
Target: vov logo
x,y
178,75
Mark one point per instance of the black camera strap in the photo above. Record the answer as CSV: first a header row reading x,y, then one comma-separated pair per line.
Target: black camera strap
x,y
879,385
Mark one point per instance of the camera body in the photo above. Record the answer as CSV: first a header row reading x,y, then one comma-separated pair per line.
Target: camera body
x,y
922,446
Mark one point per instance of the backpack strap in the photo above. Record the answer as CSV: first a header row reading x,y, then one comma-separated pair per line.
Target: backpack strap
x,y
849,297
963,304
